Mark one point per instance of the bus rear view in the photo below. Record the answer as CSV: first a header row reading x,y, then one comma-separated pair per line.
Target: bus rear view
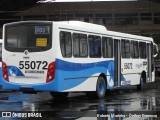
x,y
25,64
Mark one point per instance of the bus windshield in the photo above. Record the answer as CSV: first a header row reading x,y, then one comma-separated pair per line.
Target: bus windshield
x,y
32,37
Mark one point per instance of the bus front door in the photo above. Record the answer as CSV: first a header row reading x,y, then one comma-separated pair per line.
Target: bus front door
x,y
117,63
149,62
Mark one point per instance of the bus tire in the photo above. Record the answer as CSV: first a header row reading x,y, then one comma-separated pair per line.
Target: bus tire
x,y
59,95
101,87
139,87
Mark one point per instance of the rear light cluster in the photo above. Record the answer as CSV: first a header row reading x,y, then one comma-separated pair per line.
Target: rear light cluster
x,y
5,71
51,72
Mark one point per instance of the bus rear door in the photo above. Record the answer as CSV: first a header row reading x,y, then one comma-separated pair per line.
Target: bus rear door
x,y
149,62
117,63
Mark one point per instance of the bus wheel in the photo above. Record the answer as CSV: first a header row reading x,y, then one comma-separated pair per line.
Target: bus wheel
x,y
59,95
139,87
101,87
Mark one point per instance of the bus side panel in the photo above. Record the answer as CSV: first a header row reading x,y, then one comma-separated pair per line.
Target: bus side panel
x,y
83,76
132,69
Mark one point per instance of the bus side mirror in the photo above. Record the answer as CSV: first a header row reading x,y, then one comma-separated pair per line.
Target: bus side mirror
x,y
155,50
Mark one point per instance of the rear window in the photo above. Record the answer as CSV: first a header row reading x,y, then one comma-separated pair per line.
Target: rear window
x,y
33,37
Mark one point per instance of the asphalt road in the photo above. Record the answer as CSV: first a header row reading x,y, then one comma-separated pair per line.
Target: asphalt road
x,y
127,104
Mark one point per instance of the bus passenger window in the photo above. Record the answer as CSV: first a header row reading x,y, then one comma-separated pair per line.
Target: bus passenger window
x,y
80,48
125,48
143,51
107,47
94,46
134,49
91,46
66,44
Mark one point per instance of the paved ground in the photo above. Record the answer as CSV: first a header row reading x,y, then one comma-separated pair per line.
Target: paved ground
x,y
128,104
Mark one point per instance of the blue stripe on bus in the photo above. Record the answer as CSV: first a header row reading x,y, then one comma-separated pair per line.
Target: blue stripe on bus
x,y
14,71
69,66
73,74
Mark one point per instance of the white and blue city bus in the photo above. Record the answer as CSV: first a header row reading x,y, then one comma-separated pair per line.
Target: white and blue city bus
x,y
73,56
0,62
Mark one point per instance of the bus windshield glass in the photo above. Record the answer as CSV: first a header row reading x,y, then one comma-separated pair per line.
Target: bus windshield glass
x,y
32,37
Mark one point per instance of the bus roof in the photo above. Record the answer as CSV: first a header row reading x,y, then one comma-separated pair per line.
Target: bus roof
x,y
85,24
99,29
